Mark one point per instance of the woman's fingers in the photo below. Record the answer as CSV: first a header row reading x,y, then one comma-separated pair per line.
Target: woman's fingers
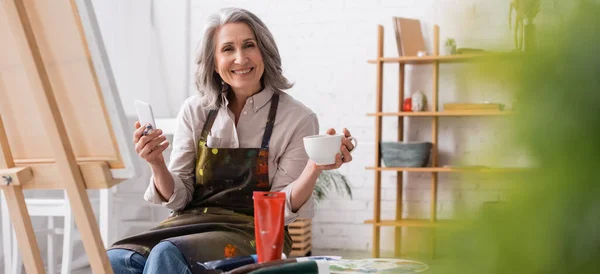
x,y
346,141
141,143
338,163
347,132
347,144
142,131
157,152
150,146
346,153
137,134
344,156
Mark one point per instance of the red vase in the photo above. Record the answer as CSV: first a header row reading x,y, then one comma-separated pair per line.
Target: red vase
x,y
407,106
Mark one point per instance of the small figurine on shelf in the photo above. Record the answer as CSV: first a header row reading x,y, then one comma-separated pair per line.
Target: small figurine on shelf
x,y
407,106
418,101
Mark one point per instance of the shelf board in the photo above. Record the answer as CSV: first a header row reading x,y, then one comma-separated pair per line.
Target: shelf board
x,y
414,223
443,113
441,58
444,169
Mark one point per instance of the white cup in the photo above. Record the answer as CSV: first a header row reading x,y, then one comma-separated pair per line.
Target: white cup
x,y
323,148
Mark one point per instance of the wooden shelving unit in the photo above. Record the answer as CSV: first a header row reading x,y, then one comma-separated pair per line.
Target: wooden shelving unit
x,y
435,60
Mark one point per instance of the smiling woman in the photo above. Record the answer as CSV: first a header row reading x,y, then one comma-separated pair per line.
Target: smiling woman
x,y
238,60
244,33
241,134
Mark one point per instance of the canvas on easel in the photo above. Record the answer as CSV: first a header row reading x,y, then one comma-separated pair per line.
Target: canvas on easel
x,y
62,125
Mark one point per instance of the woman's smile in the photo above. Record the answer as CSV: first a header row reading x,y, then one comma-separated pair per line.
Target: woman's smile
x,y
242,72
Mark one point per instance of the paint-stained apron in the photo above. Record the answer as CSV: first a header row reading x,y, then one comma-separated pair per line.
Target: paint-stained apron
x,y
219,221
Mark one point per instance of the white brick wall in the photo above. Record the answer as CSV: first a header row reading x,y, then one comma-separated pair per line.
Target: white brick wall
x,y
324,47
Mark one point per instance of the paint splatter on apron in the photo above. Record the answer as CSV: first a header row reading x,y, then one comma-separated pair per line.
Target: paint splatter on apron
x,y
218,223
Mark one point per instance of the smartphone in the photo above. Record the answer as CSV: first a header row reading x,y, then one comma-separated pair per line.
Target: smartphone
x,y
145,115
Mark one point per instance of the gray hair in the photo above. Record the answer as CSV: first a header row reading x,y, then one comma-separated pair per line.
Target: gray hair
x,y
208,80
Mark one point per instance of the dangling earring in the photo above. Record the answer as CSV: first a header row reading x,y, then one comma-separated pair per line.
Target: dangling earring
x,y
223,86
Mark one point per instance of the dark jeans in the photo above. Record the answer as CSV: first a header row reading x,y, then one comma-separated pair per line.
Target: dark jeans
x,y
165,257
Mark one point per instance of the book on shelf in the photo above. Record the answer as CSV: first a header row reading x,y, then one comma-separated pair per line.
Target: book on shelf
x,y
409,36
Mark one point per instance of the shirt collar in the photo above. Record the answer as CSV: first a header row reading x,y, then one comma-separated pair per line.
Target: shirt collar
x,y
259,100
256,101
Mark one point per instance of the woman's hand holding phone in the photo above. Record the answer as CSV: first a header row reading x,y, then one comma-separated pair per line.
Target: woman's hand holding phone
x,y
150,146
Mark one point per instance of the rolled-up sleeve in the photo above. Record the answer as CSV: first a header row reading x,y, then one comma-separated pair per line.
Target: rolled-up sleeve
x,y
290,166
181,165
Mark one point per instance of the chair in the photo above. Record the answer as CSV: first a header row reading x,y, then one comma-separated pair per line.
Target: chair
x,y
59,207
49,208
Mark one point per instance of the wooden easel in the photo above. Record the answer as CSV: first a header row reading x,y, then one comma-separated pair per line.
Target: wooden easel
x,y
58,116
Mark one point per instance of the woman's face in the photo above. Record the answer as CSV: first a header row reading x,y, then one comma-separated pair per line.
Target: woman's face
x,y
238,59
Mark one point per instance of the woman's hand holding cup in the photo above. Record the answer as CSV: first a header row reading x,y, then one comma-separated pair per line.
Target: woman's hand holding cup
x,y
149,143
330,151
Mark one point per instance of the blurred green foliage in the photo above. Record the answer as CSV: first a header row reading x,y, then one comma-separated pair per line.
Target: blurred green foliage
x,y
331,180
550,222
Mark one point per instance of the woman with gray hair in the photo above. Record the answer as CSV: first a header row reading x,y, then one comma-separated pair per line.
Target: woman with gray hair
x,y
241,133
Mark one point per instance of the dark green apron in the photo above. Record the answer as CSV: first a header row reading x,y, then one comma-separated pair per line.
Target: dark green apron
x,y
219,221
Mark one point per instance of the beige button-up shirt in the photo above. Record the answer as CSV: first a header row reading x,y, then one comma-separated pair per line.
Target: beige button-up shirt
x,y
287,157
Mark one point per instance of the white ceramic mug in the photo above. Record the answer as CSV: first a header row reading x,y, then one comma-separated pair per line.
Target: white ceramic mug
x,y
323,148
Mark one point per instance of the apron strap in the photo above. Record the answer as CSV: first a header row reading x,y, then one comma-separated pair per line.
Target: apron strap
x,y
270,120
210,120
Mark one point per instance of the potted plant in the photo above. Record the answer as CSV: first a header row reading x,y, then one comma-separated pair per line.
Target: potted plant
x,y
450,47
531,8
301,229
328,180
524,33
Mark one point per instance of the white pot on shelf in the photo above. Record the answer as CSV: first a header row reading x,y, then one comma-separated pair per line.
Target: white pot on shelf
x,y
449,50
